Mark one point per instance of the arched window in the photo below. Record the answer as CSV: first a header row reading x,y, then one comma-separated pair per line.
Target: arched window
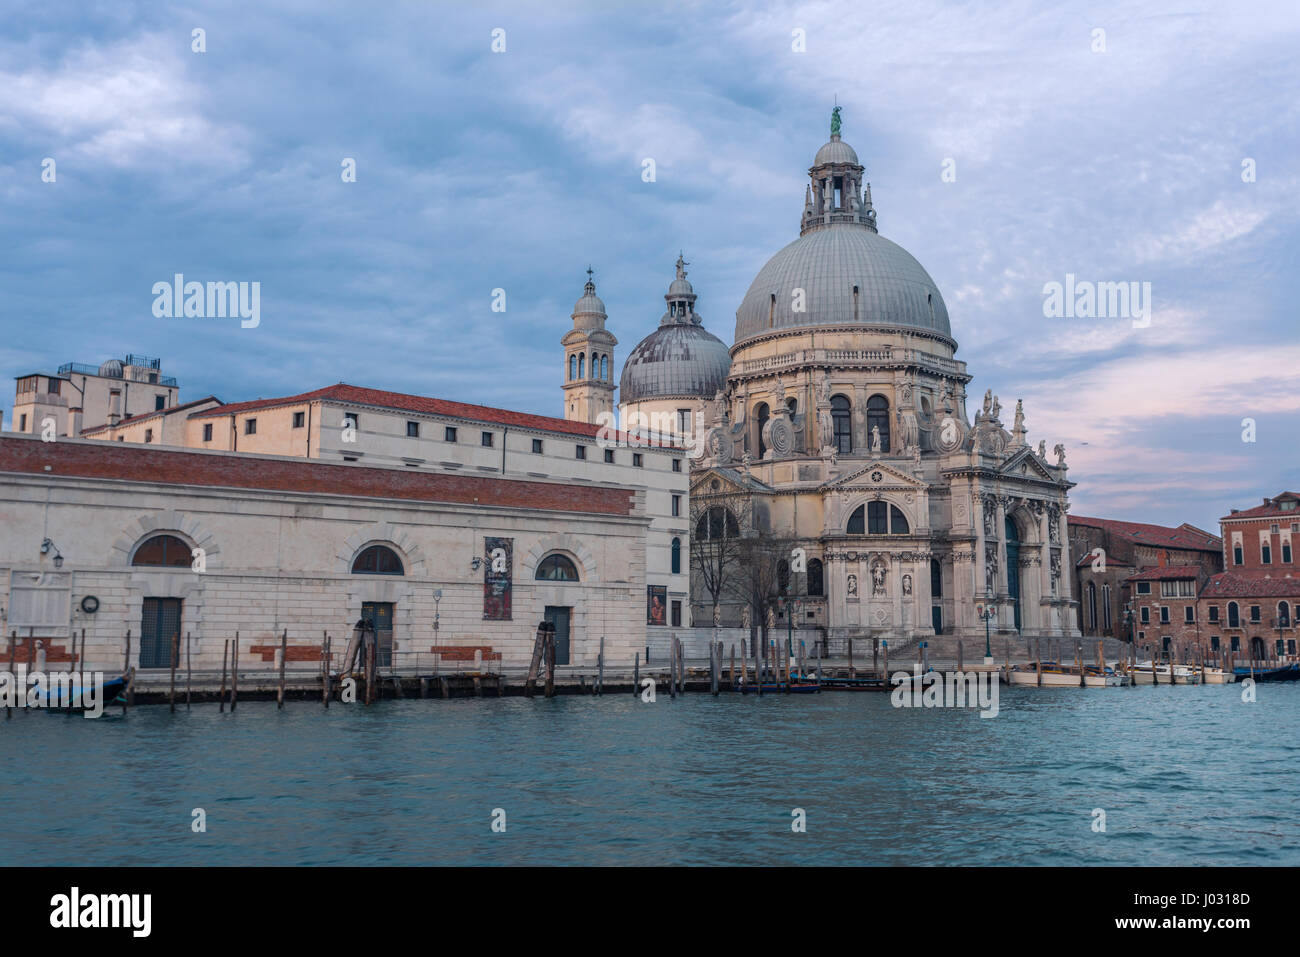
x,y
556,568
897,521
165,551
782,577
1106,624
582,365
1234,615
816,583
842,421
761,414
878,518
1092,605
573,367
936,579
1284,614
595,365
604,367
377,560
677,556
878,418
716,523
792,405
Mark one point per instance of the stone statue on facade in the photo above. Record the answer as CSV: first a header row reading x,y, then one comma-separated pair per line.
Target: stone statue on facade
x,y
1042,449
1059,452
879,573
875,439
907,585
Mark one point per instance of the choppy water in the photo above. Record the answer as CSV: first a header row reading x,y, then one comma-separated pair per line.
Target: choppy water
x,y
1186,775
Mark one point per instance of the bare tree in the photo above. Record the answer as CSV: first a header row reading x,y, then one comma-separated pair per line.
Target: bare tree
x,y
763,573
716,543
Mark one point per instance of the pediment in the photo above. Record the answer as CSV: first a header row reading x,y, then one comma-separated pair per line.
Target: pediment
x,y
876,474
1026,464
730,482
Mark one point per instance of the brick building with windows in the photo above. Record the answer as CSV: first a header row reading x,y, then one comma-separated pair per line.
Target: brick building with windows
x,y
1247,607
1114,554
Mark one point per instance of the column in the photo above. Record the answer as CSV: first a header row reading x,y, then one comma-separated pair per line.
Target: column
x,y
1001,530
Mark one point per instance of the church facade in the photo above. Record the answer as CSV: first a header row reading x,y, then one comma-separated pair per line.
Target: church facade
x,y
842,435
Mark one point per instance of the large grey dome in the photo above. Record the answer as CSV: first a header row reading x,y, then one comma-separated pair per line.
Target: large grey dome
x,y
680,359
827,263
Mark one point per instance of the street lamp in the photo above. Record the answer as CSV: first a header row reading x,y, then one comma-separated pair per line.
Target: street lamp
x,y
47,546
789,609
987,611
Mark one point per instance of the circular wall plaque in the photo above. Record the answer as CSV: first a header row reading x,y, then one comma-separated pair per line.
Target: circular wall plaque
x,y
90,604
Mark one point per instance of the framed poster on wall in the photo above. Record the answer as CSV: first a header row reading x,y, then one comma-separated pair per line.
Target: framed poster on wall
x,y
498,563
656,604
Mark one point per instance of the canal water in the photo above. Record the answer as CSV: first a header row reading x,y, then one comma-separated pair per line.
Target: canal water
x,y
1184,775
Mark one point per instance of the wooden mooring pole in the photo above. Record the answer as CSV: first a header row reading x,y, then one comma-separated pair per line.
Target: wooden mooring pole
x,y
636,674
129,697
221,695
549,692
189,670
13,646
325,666
284,648
234,673
600,668
171,688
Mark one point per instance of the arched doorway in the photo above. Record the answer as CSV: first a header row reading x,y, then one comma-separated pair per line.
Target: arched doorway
x,y
1013,567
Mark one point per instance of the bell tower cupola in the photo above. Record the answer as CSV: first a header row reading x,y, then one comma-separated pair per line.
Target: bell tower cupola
x,y
836,193
588,359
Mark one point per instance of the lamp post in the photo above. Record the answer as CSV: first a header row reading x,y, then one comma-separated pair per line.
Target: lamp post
x,y
47,546
987,612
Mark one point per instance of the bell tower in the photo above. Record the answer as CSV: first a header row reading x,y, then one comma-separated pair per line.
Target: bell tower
x,y
588,359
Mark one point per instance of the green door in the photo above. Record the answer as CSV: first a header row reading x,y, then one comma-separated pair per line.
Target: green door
x,y
380,614
560,616
1013,566
159,626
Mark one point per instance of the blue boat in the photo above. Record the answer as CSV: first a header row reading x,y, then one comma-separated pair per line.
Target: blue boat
x,y
1287,672
113,689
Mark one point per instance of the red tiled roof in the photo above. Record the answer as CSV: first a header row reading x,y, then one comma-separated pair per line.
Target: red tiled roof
x,y
1164,573
132,419
1088,560
1247,585
1271,506
1159,536
357,395
142,463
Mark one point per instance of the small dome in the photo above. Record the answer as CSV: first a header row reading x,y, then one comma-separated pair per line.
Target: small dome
x,y
836,151
589,304
677,360
680,359
112,369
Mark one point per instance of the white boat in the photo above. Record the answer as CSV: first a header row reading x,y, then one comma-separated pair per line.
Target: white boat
x,y
1059,678
1145,674
1217,676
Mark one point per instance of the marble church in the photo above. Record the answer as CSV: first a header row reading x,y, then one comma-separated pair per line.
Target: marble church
x,y
838,423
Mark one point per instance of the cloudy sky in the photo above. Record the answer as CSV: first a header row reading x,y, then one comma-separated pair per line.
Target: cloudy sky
x,y
516,170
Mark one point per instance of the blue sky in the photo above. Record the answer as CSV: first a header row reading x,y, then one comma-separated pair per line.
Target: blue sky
x,y
479,170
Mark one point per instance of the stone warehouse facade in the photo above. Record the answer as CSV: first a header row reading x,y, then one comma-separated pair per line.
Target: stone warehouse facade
x,y
421,434
308,547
